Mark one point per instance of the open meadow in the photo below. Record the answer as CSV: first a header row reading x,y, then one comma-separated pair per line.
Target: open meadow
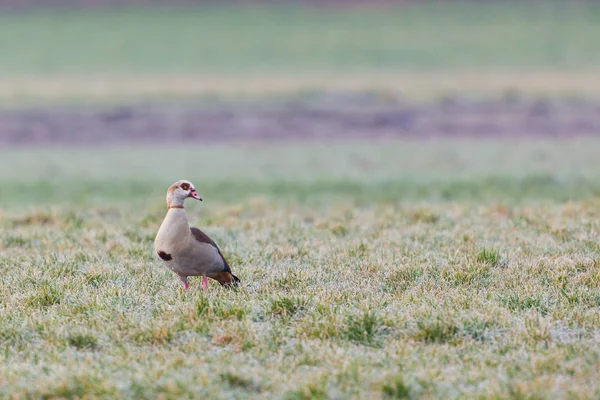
x,y
409,195
442,269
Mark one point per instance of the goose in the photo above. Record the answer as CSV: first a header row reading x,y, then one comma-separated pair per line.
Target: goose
x,y
189,251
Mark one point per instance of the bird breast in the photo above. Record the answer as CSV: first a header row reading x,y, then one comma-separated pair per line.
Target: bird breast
x,y
174,233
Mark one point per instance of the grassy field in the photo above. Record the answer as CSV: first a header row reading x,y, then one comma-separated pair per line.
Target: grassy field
x,y
538,35
417,49
391,270
433,269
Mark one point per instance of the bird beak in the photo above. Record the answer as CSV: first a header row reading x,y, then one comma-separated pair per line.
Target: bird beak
x,y
195,195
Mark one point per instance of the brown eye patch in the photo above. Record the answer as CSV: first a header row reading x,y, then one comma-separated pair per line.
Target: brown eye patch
x,y
185,186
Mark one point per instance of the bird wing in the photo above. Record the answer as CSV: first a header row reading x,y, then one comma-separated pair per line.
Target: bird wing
x,y
226,276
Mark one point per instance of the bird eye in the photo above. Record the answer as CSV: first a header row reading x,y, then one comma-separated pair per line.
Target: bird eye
x,y
185,186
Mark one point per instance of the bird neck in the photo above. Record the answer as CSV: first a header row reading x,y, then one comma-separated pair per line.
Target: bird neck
x,y
175,202
177,216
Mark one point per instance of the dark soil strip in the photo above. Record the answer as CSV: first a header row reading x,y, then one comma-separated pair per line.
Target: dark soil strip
x,y
327,118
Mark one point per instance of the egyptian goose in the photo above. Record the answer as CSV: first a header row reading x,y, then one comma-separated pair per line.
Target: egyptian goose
x,y
189,251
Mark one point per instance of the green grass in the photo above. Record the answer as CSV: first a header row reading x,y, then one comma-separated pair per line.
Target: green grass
x,y
153,40
369,270
422,51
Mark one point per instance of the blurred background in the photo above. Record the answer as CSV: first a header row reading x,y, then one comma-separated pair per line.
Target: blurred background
x,y
103,93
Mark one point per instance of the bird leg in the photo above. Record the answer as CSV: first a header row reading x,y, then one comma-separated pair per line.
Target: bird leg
x,y
185,282
205,284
